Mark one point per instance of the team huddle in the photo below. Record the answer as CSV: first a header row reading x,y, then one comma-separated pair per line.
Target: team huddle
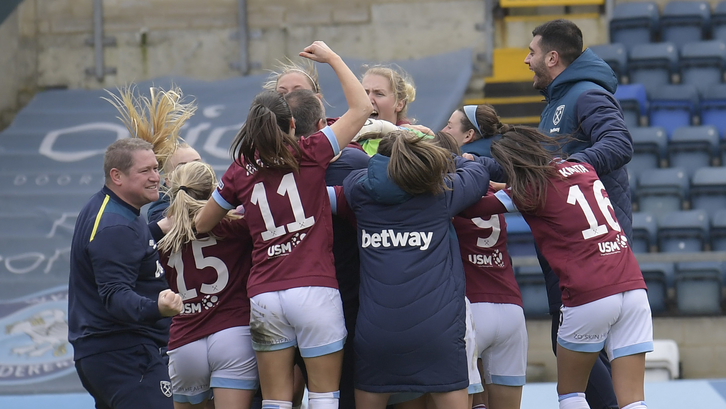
x,y
363,257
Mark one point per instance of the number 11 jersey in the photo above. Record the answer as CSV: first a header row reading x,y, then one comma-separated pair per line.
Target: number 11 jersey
x,y
289,218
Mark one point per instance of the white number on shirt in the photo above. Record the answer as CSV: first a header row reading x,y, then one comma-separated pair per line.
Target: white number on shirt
x,y
492,223
576,197
175,260
288,188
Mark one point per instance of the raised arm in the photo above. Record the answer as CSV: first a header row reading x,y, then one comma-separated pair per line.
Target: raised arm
x,y
359,105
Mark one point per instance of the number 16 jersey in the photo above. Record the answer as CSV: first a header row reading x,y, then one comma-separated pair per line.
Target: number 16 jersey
x,y
289,218
577,232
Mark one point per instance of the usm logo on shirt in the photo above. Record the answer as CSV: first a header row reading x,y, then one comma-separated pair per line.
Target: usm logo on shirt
x,y
482,260
389,238
613,247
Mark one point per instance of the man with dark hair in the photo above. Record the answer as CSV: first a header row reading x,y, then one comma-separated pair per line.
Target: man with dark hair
x,y
307,110
578,87
118,298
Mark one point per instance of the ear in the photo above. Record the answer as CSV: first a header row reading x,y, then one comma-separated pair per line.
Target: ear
x,y
470,134
116,176
322,123
399,106
292,126
552,59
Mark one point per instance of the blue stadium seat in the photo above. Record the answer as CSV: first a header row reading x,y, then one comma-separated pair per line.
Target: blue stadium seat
x,y
520,241
702,64
718,22
686,231
662,190
718,231
693,147
650,146
673,106
534,292
698,287
634,101
616,55
652,65
659,279
685,21
633,183
713,107
645,232
634,23
708,189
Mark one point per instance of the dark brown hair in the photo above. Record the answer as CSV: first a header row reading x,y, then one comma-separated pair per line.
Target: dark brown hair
x,y
264,142
417,165
486,116
307,110
447,142
526,157
562,36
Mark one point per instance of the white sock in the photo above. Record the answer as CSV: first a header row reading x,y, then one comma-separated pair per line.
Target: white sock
x,y
323,400
636,405
573,401
276,404
479,406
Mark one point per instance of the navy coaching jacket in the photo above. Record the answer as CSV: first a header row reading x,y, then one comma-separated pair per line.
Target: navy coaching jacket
x,y
580,103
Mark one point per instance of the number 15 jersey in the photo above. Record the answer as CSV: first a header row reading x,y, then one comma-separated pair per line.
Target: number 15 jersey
x,y
289,218
577,232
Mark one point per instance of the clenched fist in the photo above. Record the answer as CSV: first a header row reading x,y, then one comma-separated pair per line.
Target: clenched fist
x,y
170,303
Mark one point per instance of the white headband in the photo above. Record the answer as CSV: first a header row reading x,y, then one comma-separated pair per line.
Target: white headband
x,y
470,111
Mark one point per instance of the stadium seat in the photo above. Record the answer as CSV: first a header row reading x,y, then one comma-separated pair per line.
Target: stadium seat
x,y
685,21
673,106
693,147
645,230
698,287
634,102
718,22
534,292
616,55
662,190
650,146
520,241
659,279
634,23
708,189
685,231
713,108
633,183
652,65
663,363
718,231
702,64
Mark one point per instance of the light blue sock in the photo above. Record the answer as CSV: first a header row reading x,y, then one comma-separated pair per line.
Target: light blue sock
x,y
636,405
573,401
323,400
276,404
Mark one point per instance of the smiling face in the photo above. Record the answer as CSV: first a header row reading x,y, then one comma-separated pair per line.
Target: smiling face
x,y
455,128
382,97
291,81
140,184
537,61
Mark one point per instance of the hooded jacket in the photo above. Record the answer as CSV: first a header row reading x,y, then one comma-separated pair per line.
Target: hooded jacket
x,y
410,330
580,103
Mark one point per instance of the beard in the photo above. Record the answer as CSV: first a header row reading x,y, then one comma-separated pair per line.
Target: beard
x,y
541,78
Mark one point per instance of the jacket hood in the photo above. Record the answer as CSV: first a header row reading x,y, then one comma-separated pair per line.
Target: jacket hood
x,y
480,147
587,67
381,188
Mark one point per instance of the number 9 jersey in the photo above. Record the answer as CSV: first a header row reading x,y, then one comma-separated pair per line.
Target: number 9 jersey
x,y
577,232
289,218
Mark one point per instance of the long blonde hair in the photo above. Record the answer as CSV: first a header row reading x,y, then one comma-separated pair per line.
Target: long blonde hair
x,y
156,119
417,165
190,186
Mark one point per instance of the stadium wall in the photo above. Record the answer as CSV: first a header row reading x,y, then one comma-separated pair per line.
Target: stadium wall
x,y
700,343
